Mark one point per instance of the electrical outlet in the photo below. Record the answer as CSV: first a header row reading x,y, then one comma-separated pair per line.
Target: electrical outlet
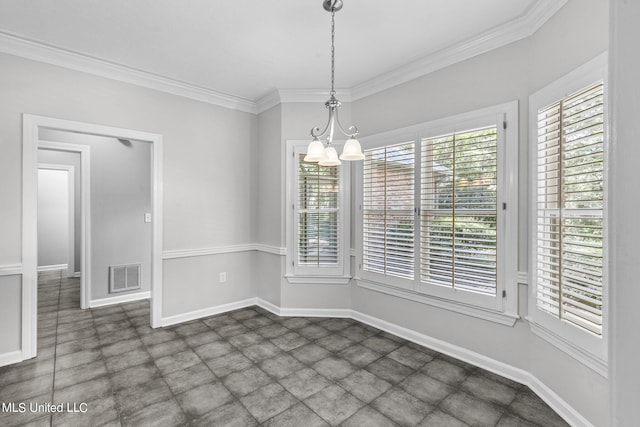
x,y
223,277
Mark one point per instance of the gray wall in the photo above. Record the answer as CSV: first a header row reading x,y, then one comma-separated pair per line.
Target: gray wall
x,y
207,197
297,121
268,204
625,203
71,159
10,312
120,196
502,75
204,144
53,217
276,126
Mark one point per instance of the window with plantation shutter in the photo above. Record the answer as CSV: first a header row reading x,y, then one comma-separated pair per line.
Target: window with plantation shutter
x,y
570,206
317,219
567,274
318,214
438,219
459,210
388,210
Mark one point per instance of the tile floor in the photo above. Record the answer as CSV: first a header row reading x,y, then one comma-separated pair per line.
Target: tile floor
x,y
244,368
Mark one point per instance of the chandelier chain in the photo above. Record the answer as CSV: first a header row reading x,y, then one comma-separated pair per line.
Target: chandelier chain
x,y
333,35
317,151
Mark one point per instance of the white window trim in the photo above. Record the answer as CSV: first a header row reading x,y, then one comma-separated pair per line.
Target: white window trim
x,y
579,344
506,310
340,275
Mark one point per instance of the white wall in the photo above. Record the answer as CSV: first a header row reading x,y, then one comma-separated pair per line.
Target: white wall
x,y
53,217
624,202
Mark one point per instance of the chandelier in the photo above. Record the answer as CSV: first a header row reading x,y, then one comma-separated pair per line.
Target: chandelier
x,y
317,151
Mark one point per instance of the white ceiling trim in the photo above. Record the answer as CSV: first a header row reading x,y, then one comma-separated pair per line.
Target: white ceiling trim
x,y
268,101
18,46
312,95
510,32
283,96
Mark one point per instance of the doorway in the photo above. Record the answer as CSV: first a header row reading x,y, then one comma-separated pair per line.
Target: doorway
x,y
33,128
57,213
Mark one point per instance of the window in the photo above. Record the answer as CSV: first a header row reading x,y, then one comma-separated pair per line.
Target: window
x,y
459,212
439,211
388,212
568,187
318,229
318,214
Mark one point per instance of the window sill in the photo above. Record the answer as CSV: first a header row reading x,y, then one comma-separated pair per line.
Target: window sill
x,y
503,318
318,280
581,355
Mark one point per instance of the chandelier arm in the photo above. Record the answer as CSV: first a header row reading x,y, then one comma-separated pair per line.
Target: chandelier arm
x,y
315,132
351,131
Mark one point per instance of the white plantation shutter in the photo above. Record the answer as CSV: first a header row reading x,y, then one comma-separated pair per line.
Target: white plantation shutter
x,y
388,210
435,227
459,210
318,215
570,205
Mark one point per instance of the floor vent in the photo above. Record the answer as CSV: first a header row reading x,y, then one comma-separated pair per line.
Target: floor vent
x,y
124,278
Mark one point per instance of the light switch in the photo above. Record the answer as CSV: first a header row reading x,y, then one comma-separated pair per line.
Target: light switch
x,y
147,217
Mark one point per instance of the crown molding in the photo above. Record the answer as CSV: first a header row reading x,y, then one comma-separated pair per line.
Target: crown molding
x,y
499,36
268,101
502,35
313,95
18,46
283,96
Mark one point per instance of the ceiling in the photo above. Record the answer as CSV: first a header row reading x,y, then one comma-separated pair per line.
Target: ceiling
x,y
244,49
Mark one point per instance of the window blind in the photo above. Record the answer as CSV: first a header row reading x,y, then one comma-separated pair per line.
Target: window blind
x,y
459,210
388,210
318,214
570,205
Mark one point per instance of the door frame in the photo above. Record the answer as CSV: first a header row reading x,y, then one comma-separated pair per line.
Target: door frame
x,y
31,124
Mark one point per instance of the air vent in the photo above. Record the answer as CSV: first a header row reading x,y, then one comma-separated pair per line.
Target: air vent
x,y
124,278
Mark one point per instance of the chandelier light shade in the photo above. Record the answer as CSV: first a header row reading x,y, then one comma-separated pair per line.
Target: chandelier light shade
x,y
315,151
326,155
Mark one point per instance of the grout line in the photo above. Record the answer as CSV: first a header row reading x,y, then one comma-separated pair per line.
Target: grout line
x,y
277,320
153,358
55,348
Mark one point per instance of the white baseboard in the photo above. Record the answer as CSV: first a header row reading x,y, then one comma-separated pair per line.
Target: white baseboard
x,y
10,358
303,312
206,312
461,353
268,306
52,267
315,312
566,411
119,299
